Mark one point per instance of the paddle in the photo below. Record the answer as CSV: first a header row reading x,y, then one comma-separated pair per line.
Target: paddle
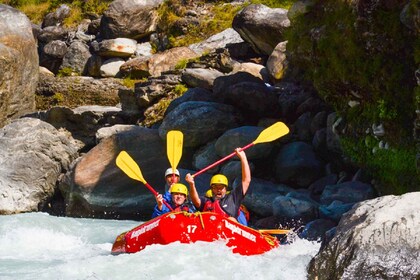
x,y
174,141
127,164
275,231
269,134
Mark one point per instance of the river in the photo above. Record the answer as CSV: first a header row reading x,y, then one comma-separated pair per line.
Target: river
x,y
41,246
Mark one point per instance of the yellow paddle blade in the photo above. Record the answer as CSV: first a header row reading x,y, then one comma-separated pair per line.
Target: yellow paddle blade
x,y
272,133
174,142
129,166
275,231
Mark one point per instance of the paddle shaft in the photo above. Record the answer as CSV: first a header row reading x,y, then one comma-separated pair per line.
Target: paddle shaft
x,y
222,160
155,193
274,231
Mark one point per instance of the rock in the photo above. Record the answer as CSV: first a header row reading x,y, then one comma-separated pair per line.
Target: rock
x,y
377,239
118,47
32,157
297,163
96,187
76,58
220,40
261,26
19,65
316,229
347,192
202,78
293,208
277,62
133,19
57,17
240,137
200,122
261,195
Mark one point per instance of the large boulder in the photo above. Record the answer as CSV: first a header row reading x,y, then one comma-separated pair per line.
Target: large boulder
x,y
377,239
133,19
32,156
19,65
96,187
200,121
261,26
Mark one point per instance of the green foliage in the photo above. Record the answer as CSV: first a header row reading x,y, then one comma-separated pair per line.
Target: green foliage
x,y
172,12
182,64
129,82
373,63
345,64
180,89
37,9
58,98
65,72
393,169
285,4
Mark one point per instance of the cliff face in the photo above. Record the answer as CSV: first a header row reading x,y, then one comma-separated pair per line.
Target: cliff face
x,y
362,57
18,64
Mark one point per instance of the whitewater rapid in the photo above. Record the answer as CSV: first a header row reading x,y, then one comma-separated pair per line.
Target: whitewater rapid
x,y
40,246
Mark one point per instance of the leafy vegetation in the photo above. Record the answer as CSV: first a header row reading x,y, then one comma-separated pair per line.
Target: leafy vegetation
x,y
182,32
285,4
394,169
371,63
80,9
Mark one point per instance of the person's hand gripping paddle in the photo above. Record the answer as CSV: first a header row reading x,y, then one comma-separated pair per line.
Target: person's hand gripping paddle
x,y
127,164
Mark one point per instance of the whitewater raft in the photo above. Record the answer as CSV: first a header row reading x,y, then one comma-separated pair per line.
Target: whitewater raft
x,y
186,227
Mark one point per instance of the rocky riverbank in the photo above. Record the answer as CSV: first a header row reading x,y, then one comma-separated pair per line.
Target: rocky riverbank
x,y
237,83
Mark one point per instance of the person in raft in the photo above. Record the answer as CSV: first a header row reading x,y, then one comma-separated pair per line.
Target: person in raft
x,y
227,204
243,217
178,201
171,177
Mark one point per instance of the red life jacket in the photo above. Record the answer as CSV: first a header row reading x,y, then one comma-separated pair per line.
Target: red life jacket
x,y
182,207
245,211
214,206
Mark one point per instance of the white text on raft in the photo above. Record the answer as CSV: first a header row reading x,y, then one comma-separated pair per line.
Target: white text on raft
x,y
236,229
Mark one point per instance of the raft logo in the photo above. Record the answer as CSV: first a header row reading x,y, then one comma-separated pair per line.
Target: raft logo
x,y
238,230
144,229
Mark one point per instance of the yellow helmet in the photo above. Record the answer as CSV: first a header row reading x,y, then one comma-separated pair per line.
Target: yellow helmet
x,y
209,193
179,188
219,179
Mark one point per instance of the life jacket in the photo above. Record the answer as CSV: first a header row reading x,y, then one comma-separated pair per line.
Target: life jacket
x,y
245,211
186,206
183,207
242,208
214,206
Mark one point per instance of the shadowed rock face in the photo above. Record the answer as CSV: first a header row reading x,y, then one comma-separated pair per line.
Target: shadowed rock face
x,y
18,64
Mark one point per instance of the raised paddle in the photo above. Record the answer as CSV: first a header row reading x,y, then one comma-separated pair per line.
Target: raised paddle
x,y
269,134
174,141
127,164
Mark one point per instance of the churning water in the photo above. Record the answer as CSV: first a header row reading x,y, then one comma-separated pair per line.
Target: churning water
x,y
40,246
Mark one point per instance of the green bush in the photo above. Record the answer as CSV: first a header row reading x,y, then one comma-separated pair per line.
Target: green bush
x,y
375,68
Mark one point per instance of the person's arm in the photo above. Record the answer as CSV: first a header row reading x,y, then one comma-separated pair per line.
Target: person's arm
x,y
162,210
195,198
246,172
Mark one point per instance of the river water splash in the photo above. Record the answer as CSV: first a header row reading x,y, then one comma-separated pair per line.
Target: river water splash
x,y
40,246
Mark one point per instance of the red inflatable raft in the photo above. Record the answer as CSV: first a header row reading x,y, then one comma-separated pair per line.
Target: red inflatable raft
x,y
189,228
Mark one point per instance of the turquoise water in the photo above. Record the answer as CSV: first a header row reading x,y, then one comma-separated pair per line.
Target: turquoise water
x,y
40,246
